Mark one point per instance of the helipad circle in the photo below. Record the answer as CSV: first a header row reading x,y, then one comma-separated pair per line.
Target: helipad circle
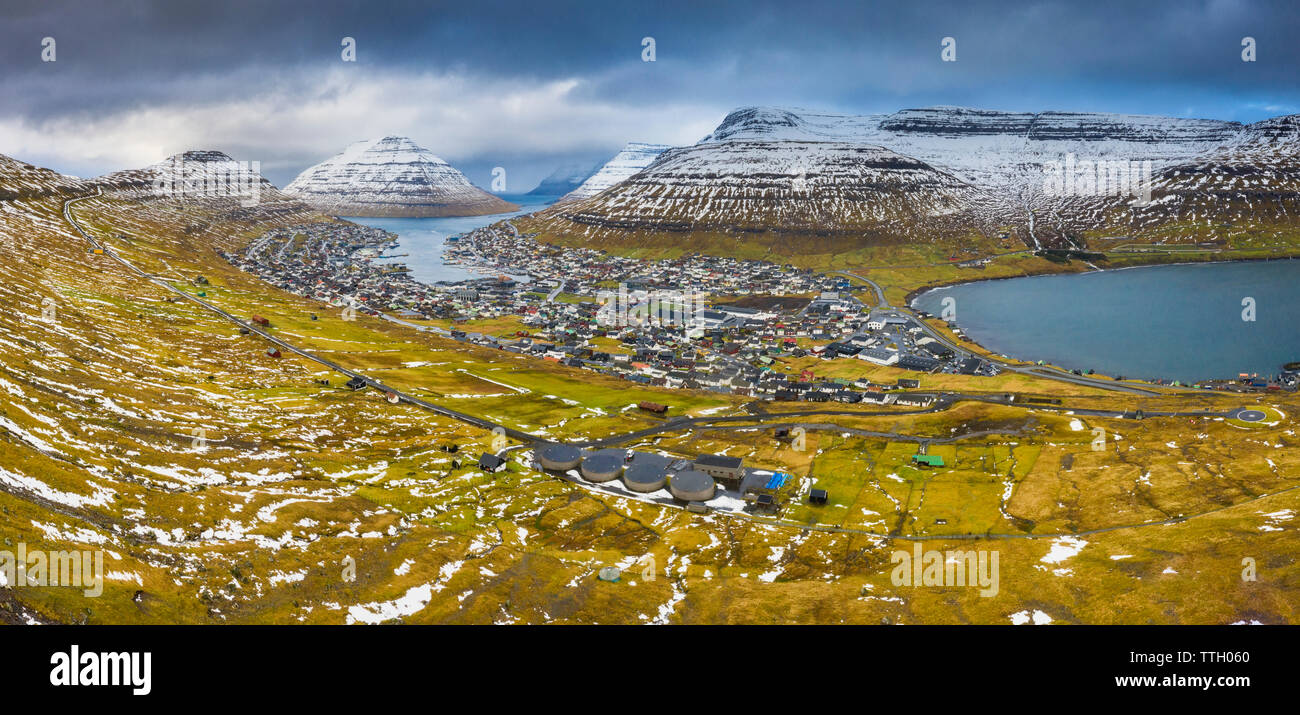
x,y
1251,416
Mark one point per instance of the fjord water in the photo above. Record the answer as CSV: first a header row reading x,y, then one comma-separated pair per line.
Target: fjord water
x,y
423,239
1178,322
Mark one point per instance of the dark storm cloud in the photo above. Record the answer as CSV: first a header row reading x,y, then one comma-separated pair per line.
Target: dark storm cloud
x,y
1173,57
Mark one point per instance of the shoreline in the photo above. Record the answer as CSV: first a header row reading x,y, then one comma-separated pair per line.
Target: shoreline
x,y
911,297
915,294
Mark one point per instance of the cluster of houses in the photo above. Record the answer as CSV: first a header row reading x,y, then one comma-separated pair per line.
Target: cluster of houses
x,y
341,264
738,343
499,249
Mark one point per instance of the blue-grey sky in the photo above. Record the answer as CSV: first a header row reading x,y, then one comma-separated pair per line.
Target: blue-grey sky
x,y
530,84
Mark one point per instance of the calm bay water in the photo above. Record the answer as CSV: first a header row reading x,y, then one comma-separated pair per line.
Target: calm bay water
x,y
423,238
1180,322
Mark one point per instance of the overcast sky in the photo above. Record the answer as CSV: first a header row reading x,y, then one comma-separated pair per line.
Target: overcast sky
x,y
530,85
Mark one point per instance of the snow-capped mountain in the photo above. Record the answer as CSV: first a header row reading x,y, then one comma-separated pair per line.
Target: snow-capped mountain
x,y
1002,151
392,177
566,178
989,168
1247,187
634,157
201,175
797,186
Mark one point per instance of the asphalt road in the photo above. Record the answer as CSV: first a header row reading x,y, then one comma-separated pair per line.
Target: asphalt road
x,y
943,400
285,345
1033,370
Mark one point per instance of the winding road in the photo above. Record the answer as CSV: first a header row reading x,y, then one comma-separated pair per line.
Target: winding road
x,y
285,345
943,400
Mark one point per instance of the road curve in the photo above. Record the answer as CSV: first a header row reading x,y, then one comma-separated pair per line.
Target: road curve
x,y
285,345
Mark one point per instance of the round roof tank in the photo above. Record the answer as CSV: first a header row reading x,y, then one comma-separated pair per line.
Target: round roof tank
x,y
691,486
559,457
601,467
644,478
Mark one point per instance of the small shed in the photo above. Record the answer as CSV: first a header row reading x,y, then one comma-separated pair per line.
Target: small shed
x,y
817,496
927,460
653,407
489,462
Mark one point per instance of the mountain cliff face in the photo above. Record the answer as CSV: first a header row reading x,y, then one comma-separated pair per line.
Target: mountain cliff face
x,y
982,168
996,150
205,179
392,177
634,157
1247,188
797,186
565,179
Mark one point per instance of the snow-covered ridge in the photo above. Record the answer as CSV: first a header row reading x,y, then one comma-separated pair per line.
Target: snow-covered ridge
x,y
994,149
20,180
203,173
392,176
756,186
634,157
747,175
566,178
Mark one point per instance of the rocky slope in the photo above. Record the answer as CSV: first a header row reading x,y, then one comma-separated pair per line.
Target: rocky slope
x,y
392,177
20,180
634,157
997,150
208,179
1050,177
798,186
1247,190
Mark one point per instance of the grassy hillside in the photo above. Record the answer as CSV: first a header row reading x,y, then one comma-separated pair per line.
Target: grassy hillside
x,y
228,486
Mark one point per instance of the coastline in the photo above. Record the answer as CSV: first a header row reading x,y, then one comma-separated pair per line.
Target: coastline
x,y
909,300
913,296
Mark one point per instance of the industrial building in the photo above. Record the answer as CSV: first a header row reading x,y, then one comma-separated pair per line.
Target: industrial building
x,y
723,469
